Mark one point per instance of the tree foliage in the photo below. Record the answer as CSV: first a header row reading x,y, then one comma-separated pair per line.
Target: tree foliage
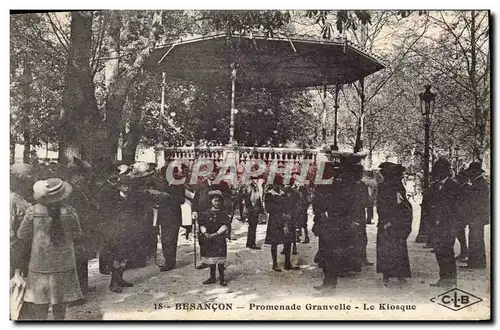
x,y
450,50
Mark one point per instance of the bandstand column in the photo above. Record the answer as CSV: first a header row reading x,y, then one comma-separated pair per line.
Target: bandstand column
x,y
233,109
323,121
336,107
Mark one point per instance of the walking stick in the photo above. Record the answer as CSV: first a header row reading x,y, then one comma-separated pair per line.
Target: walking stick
x,y
195,233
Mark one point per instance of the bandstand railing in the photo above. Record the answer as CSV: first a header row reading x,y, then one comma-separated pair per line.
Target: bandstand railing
x,y
242,154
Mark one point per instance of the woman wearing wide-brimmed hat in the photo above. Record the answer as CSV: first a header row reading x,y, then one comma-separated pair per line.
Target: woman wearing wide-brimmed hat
x,y
394,224
52,226
128,229
214,224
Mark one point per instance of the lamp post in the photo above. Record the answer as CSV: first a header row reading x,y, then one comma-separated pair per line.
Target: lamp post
x,y
427,100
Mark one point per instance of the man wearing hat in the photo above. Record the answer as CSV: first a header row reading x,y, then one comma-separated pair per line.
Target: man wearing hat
x,y
170,216
334,226
254,206
319,203
360,200
442,211
479,215
394,225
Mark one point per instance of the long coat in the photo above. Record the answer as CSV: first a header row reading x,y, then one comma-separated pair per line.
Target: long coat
x,y
444,218
394,227
52,277
334,225
128,227
480,201
302,206
281,223
169,207
90,218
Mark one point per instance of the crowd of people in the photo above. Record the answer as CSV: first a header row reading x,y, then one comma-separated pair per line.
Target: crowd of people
x,y
63,217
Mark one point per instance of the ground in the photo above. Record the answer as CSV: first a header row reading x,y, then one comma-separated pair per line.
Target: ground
x,y
251,281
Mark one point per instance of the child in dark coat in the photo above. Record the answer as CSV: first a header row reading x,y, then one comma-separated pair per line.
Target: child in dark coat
x,y
214,224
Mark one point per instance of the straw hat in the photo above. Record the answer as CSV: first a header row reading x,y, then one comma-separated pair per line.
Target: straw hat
x,y
51,190
140,170
215,193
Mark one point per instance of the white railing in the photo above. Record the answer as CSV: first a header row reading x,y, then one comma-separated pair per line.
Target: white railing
x,y
243,154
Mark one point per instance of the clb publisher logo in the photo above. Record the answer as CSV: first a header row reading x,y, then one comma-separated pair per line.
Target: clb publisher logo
x,y
456,299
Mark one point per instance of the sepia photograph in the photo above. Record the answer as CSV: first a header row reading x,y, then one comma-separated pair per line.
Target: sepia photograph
x,y
213,165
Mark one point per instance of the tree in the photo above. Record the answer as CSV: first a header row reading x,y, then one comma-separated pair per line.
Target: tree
x,y
458,57
36,70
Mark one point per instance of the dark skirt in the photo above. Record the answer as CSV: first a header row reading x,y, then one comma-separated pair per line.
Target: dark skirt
x,y
275,233
213,250
335,253
392,256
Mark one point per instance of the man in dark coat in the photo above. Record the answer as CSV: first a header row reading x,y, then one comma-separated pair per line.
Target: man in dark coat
x,y
360,200
443,217
334,227
302,207
170,216
479,215
253,203
394,225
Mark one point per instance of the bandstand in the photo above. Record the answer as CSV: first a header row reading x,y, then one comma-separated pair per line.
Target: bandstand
x,y
256,61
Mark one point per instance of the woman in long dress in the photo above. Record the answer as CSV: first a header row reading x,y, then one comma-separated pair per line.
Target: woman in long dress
x,y
394,225
52,226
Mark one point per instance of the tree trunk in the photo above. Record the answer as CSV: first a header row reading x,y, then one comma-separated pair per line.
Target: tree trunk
x,y
27,146
119,89
12,150
132,137
79,117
